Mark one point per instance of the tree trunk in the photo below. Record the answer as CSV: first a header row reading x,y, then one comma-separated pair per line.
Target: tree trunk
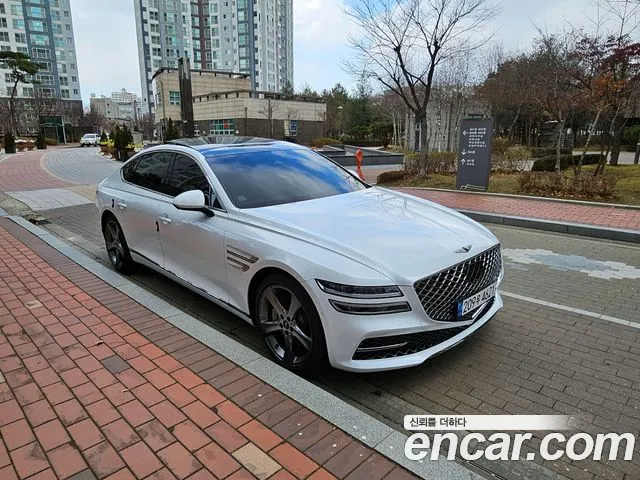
x,y
615,145
513,124
424,144
578,170
559,145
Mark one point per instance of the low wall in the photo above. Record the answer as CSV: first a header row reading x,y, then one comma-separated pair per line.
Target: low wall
x,y
371,156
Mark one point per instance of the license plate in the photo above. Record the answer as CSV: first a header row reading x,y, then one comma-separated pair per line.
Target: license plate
x,y
476,300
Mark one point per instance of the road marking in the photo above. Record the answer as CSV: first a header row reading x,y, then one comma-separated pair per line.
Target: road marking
x,y
579,311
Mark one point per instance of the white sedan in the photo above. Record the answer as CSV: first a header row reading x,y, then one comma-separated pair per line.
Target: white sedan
x,y
331,269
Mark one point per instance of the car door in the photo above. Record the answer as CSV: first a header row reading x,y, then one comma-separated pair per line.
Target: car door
x,y
139,206
193,243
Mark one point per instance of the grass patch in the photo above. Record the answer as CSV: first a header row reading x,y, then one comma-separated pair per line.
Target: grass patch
x,y
627,189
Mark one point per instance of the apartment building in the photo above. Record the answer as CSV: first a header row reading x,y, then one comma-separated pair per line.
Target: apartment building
x,y
254,37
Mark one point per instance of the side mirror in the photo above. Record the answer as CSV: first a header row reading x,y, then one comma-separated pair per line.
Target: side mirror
x,y
193,200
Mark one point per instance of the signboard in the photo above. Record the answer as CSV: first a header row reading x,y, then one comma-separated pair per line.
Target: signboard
x,y
55,121
290,128
474,155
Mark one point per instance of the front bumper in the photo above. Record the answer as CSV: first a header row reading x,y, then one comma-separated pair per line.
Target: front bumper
x,y
344,332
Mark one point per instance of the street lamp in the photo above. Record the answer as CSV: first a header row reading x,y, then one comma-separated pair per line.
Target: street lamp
x,y
340,120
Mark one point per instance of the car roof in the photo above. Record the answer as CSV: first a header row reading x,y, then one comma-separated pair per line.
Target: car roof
x,y
228,145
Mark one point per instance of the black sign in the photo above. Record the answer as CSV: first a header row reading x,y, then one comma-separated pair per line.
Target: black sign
x,y
474,156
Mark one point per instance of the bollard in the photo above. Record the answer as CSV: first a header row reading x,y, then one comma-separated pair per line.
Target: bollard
x,y
637,157
359,156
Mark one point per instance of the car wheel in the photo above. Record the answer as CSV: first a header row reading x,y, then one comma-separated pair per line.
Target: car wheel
x,y
117,247
291,325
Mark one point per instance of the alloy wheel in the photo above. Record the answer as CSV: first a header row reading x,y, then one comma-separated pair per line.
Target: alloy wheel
x,y
285,326
113,240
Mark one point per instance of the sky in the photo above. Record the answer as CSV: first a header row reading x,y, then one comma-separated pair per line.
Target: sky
x,y
106,45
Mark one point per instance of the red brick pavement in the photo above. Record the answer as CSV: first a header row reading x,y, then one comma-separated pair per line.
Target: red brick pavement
x,y
530,208
23,171
97,385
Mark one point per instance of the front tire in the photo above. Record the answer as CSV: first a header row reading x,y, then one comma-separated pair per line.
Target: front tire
x,y
290,325
117,248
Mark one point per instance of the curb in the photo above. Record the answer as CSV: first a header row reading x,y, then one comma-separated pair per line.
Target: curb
x,y
526,197
370,431
617,234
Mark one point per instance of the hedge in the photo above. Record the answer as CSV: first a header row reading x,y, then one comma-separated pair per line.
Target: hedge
x,y
548,163
321,142
539,152
390,176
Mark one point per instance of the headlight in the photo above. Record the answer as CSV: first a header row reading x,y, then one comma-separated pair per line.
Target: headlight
x,y
365,292
370,308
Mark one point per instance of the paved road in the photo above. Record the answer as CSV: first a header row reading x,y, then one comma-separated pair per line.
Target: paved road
x,y
563,344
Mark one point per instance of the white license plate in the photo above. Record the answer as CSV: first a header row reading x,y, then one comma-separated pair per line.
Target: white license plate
x,y
476,300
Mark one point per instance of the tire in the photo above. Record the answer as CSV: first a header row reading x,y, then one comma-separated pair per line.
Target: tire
x,y
297,341
116,244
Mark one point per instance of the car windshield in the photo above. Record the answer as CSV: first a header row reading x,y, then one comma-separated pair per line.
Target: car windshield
x,y
275,177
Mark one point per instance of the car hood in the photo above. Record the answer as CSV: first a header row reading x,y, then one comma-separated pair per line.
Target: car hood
x,y
401,236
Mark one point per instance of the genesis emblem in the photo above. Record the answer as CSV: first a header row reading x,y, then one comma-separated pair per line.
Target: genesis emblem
x,y
464,249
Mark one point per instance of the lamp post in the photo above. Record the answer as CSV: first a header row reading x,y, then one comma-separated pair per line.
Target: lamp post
x,y
340,120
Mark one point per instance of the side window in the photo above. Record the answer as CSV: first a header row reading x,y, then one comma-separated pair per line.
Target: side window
x,y
151,170
187,175
129,169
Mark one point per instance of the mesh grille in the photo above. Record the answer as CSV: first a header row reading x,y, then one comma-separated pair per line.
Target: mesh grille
x,y
439,294
409,343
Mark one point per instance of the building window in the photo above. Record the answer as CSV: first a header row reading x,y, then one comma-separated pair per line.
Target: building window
x,y
16,10
64,81
21,38
64,93
24,50
68,27
222,127
4,36
36,12
27,91
75,91
174,98
74,79
18,24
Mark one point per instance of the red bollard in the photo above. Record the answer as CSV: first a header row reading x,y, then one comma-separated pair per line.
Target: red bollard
x,y
359,156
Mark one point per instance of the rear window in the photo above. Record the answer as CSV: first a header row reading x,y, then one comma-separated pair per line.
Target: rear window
x,y
275,177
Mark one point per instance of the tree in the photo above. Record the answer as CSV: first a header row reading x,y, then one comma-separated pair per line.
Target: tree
x,y
400,44
552,86
287,88
335,98
146,126
22,68
307,91
268,110
93,120
171,132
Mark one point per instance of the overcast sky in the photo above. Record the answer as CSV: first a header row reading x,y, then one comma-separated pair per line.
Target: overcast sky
x,y
105,36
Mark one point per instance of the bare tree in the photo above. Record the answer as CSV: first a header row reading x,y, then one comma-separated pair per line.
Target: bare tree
x,y
268,110
401,43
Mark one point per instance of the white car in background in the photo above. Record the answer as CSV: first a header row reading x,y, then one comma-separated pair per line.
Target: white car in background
x,y
90,140
331,269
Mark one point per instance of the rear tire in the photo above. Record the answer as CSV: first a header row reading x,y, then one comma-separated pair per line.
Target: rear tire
x,y
291,328
117,248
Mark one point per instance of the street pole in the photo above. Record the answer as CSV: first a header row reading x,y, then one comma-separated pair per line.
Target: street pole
x,y
637,157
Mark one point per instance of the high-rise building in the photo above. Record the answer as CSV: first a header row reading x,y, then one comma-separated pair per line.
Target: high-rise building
x,y
253,37
42,29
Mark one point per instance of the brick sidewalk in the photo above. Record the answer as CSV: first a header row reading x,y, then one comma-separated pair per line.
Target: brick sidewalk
x,y
539,209
23,171
94,385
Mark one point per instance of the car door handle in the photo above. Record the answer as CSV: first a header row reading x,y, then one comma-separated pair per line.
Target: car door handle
x,y
164,219
121,205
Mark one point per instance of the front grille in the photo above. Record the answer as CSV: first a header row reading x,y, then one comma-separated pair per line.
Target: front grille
x,y
397,345
439,294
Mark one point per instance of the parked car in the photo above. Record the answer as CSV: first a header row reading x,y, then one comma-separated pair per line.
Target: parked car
x,y
90,140
331,269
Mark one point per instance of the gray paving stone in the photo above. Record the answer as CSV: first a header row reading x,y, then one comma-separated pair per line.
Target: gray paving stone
x,y
115,364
